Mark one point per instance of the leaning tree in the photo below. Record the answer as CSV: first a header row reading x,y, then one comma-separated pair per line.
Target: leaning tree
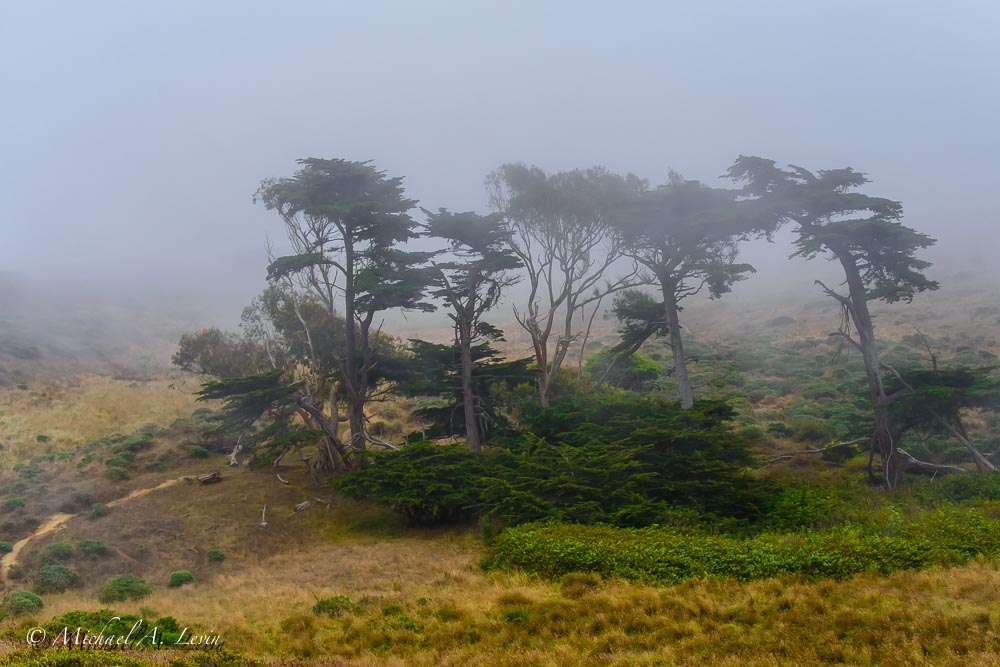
x,y
346,222
875,250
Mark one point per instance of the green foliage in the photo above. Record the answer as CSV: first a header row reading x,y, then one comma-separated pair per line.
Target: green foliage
x,y
54,578
19,603
958,488
15,571
179,578
198,452
337,605
624,459
664,556
632,372
219,353
93,548
433,371
12,503
425,482
215,555
57,551
123,587
6,547
98,510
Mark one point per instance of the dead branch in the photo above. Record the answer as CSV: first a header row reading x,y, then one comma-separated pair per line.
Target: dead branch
x,y
819,450
924,466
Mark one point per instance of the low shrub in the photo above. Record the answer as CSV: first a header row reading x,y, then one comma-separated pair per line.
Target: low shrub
x,y
19,603
124,587
215,555
55,578
179,578
98,510
337,605
664,556
93,548
6,547
12,503
198,452
57,551
425,482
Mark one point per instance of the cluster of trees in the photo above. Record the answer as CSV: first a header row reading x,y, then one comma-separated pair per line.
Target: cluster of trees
x,y
313,355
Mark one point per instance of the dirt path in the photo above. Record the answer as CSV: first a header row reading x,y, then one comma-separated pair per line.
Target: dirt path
x,y
58,519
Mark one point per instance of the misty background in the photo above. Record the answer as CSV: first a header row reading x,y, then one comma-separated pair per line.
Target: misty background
x,y
133,135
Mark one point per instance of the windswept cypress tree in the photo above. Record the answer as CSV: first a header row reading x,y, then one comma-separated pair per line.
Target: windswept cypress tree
x,y
346,221
876,251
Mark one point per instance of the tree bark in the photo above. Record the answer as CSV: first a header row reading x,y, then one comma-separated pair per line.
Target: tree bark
x,y
472,435
684,389
857,309
355,394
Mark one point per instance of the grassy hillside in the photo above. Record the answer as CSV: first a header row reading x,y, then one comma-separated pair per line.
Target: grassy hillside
x,y
106,465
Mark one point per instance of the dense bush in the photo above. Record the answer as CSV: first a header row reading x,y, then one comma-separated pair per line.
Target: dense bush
x,y
336,605
124,587
215,555
179,578
54,578
6,547
425,482
614,457
57,551
93,548
19,603
625,459
12,503
633,372
662,555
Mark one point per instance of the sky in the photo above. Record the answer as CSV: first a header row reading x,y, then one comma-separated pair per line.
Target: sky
x,y
134,134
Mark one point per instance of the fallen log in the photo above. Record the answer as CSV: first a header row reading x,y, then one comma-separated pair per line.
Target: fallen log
x,y
210,478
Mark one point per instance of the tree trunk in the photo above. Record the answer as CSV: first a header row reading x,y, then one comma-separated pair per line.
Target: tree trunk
x,y
472,436
857,308
684,389
355,396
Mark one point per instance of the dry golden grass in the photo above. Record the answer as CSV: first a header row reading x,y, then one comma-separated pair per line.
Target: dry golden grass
x,y
89,407
425,602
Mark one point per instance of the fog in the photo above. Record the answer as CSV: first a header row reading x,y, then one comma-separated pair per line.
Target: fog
x,y
133,135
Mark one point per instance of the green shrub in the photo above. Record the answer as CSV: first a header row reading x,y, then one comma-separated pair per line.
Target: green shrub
x,y
55,578
337,605
633,372
93,548
198,452
155,466
19,603
124,587
12,503
664,556
15,571
624,459
117,473
57,551
215,555
98,510
179,578
42,438
6,547
425,482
